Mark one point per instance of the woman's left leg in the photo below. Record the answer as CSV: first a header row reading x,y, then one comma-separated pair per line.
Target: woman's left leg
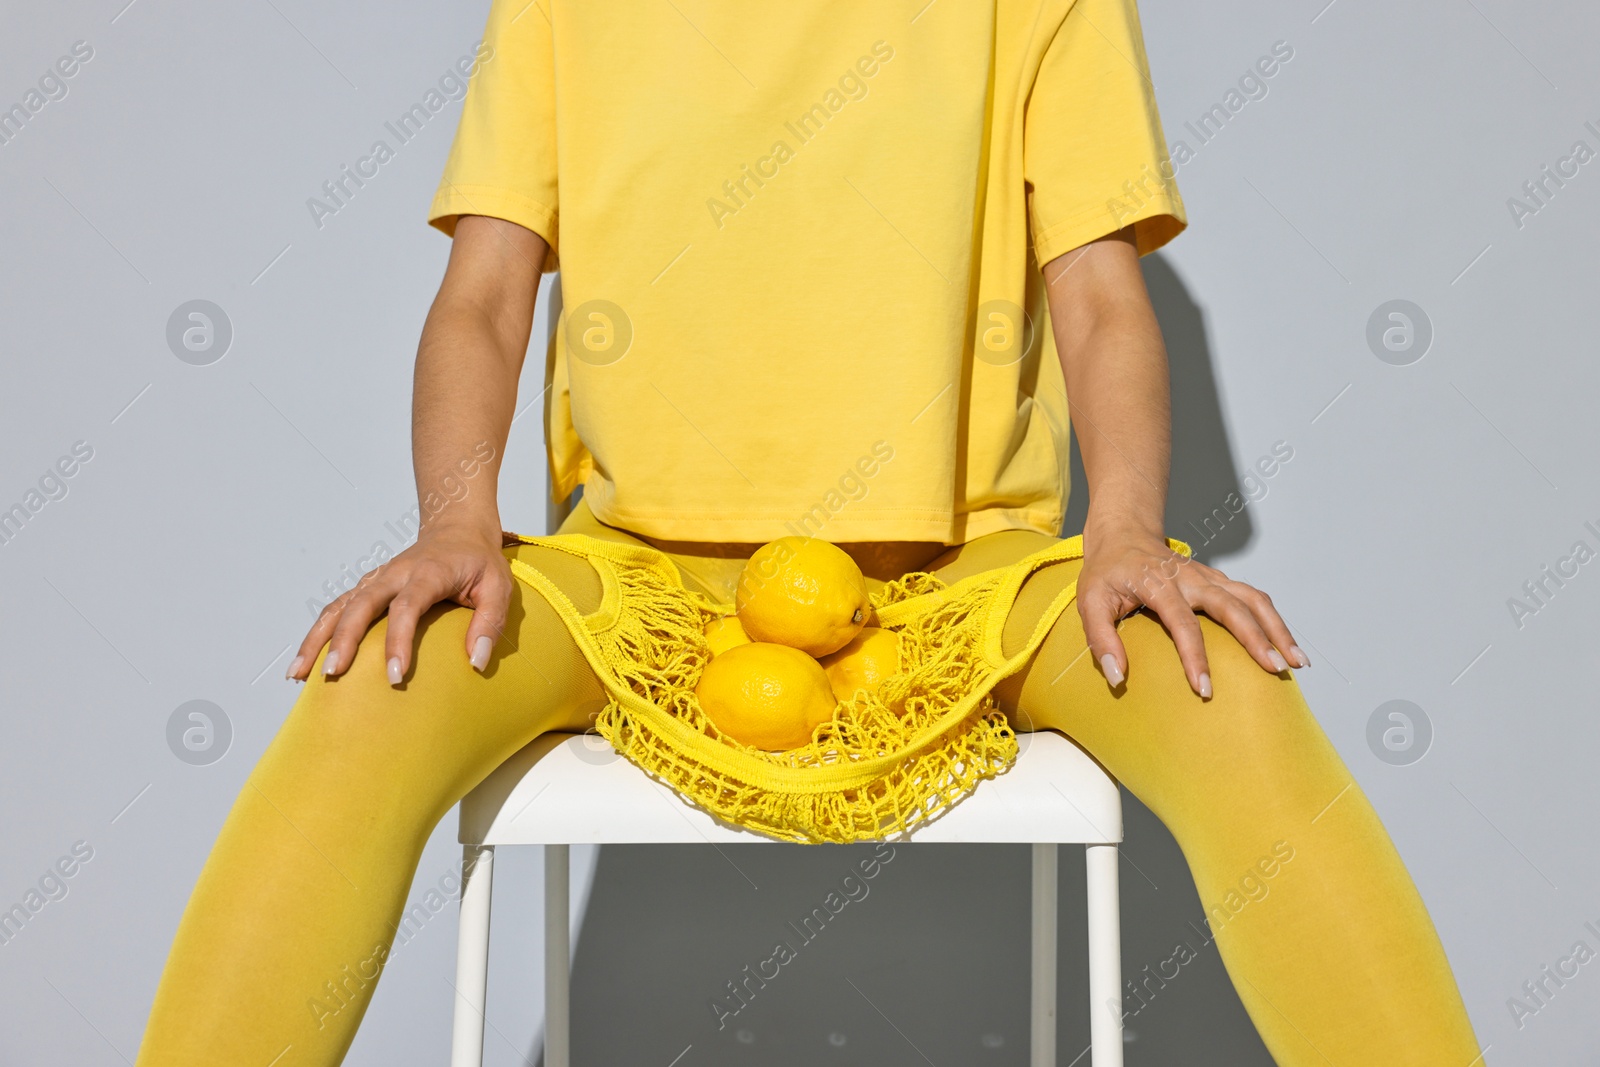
x,y
1320,927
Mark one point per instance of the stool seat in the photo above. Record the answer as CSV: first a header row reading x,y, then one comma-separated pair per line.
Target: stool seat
x,y
574,789
566,789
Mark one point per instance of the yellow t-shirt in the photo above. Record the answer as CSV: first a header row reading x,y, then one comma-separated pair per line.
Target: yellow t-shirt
x,y
799,248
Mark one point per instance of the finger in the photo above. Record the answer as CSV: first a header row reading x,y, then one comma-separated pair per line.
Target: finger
x,y
491,598
1267,616
1177,615
1240,621
1100,607
421,591
316,637
357,619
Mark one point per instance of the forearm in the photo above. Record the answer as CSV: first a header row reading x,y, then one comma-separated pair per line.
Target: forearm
x,y
1115,366
464,393
463,398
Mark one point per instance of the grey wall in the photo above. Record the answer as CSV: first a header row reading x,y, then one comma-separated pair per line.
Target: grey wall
x,y
1378,168
219,498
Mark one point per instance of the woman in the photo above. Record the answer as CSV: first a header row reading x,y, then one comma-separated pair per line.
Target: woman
x,y
904,232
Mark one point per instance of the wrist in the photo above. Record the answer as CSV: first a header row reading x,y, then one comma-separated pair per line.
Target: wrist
x,y
1122,528
475,527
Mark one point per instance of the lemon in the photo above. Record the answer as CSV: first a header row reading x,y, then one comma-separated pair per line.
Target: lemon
x,y
765,695
870,657
802,592
724,633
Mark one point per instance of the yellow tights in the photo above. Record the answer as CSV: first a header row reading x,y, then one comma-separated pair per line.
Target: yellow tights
x,y
1333,953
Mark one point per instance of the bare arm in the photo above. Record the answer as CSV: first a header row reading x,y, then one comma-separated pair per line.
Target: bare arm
x,y
468,363
1115,366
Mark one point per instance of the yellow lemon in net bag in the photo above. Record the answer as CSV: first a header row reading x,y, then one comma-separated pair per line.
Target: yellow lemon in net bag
x,y
870,657
725,633
802,592
766,696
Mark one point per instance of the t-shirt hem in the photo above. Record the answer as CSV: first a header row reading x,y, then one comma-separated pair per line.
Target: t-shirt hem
x,y
1155,222
454,200
908,524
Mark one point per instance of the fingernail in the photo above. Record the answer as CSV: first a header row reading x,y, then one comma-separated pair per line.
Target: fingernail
x,y
1299,657
1276,658
480,652
331,662
394,670
294,668
1108,664
1205,687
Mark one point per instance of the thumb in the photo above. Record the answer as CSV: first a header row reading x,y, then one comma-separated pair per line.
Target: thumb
x,y
490,601
1100,611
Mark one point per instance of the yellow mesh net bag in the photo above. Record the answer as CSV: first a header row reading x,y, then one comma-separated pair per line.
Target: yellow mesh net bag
x,y
870,772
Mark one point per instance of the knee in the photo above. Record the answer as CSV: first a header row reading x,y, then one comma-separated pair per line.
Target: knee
x,y
1235,672
1257,725
1254,715
444,709
360,709
1219,770
402,753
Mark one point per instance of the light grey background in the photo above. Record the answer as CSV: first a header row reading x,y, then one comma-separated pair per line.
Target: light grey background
x,y
220,498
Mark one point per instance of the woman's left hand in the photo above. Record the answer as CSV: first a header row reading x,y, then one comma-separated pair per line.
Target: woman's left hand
x,y
1123,572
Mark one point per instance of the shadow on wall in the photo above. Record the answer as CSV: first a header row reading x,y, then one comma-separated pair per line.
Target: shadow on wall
x,y
1203,475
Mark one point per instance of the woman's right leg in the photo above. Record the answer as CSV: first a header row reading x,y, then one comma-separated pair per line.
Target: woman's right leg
x,y
278,951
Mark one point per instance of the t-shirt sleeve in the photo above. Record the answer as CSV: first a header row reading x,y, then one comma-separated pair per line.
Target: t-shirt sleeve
x,y
503,160
1094,156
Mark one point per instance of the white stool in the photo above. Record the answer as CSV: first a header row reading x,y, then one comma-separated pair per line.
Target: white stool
x,y
563,790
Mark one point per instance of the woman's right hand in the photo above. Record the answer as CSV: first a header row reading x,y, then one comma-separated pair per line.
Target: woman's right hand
x,y
459,563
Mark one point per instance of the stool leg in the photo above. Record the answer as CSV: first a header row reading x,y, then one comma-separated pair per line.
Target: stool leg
x,y
1042,1037
1105,958
472,956
557,958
